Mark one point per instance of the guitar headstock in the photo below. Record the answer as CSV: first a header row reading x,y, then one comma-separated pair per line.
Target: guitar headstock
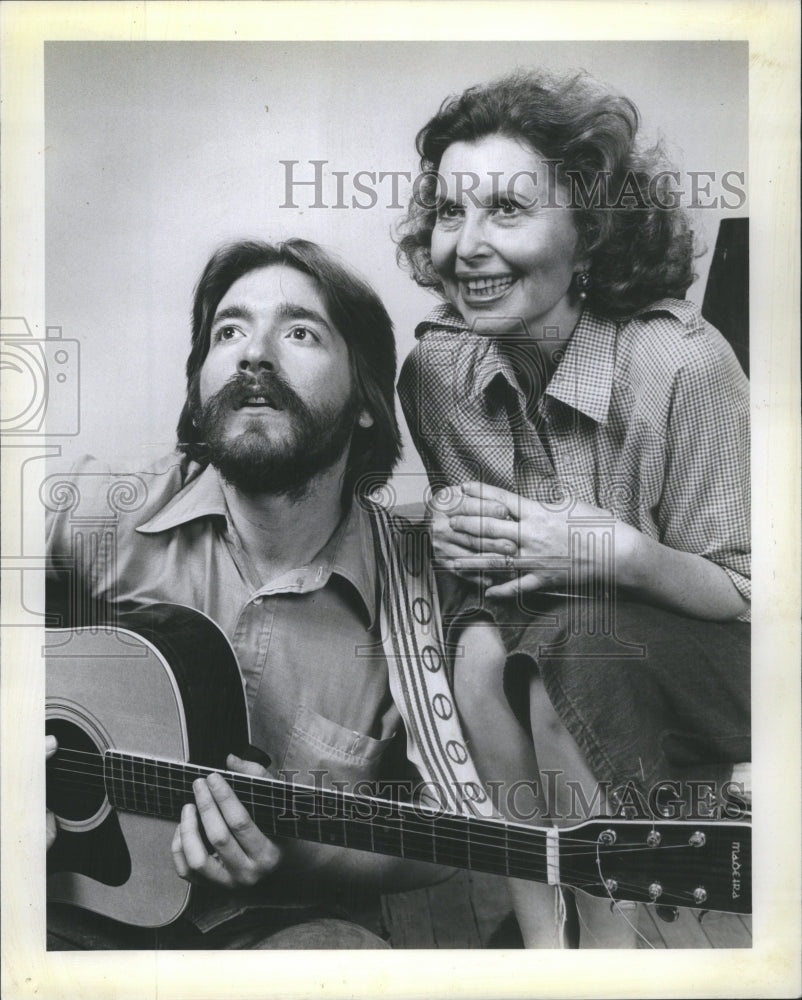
x,y
704,865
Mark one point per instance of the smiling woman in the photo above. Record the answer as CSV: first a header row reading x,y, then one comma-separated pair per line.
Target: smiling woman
x,y
593,432
503,256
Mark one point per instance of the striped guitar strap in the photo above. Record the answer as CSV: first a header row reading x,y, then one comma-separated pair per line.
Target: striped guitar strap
x,y
412,636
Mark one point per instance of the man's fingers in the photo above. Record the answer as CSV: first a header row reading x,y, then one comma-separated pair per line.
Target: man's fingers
x,y
51,829
51,826
242,845
191,858
224,803
217,821
473,570
203,827
249,767
193,842
176,848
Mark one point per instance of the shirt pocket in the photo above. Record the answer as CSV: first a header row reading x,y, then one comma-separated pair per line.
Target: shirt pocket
x,y
330,750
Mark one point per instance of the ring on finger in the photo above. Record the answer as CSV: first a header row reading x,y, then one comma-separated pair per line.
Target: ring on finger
x,y
509,561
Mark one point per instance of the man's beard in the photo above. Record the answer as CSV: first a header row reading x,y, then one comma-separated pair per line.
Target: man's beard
x,y
255,463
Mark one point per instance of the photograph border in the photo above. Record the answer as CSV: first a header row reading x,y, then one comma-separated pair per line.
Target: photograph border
x,y
772,966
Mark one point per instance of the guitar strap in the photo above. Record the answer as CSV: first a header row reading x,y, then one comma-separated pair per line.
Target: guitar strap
x,y
412,636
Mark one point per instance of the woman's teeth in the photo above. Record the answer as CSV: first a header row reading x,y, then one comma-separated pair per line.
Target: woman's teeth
x,y
487,286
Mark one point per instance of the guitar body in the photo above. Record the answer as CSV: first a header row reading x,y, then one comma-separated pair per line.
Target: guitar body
x,y
163,682
142,708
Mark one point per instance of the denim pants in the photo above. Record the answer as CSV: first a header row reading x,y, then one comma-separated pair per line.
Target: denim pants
x,y
648,695
73,929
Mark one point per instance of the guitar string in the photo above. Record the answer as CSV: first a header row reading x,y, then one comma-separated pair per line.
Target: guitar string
x,y
575,878
406,812
406,815
621,912
424,829
250,784
522,854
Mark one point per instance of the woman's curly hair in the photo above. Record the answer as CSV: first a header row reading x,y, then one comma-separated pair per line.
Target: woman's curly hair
x,y
626,210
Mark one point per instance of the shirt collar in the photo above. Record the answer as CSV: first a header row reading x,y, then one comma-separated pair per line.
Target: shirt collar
x,y
474,370
201,497
584,378
349,553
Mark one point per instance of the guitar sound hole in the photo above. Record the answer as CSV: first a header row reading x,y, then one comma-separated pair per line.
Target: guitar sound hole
x,y
75,788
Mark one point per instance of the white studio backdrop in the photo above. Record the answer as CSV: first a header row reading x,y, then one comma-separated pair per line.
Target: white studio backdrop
x,y
158,152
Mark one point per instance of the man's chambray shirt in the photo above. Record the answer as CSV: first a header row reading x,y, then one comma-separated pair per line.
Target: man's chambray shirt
x,y
308,642
646,418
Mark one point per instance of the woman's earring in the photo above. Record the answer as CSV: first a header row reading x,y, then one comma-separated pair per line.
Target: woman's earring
x,y
583,281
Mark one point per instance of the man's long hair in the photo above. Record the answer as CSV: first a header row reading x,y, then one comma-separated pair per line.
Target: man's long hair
x,y
361,320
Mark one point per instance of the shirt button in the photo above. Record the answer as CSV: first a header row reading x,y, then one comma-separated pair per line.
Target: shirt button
x,y
257,600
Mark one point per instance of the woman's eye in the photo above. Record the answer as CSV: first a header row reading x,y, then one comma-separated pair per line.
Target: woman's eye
x,y
449,212
226,333
507,208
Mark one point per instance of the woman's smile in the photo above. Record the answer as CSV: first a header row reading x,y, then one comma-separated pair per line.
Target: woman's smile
x,y
485,289
504,252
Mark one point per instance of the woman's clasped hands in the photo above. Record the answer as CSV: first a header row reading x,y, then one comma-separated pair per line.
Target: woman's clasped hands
x,y
521,544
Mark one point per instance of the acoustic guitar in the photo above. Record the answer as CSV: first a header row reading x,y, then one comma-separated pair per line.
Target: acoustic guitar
x,y
143,708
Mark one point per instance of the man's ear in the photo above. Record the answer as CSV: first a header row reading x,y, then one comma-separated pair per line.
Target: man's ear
x,y
365,419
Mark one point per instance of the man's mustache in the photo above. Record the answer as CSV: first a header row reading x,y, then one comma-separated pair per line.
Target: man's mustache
x,y
242,389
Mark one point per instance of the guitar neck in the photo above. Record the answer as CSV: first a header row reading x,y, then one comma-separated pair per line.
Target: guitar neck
x,y
706,865
280,809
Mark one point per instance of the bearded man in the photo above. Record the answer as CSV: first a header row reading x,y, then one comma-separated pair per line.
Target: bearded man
x,y
258,520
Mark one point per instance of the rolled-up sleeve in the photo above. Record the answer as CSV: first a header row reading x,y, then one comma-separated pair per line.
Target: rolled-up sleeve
x,y
705,505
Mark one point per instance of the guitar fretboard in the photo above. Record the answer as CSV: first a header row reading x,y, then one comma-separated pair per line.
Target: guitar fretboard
x,y
282,809
705,865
